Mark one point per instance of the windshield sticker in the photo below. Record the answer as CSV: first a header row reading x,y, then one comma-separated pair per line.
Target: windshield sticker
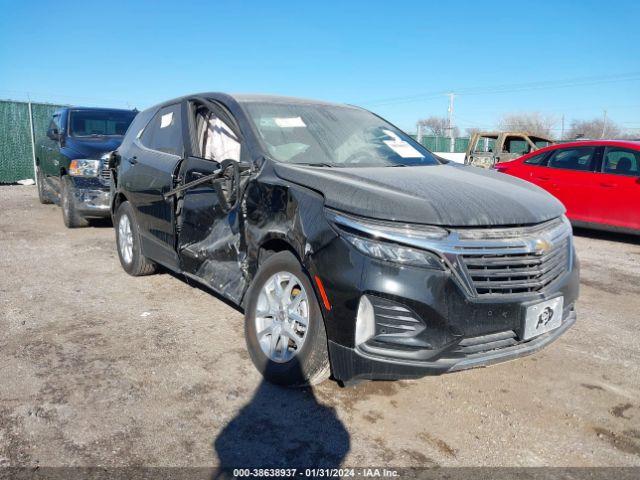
x,y
165,120
289,122
401,147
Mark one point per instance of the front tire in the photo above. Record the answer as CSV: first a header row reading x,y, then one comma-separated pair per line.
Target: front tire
x,y
284,328
128,242
42,191
72,219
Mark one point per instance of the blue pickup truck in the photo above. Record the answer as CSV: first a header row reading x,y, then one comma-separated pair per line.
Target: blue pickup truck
x,y
71,161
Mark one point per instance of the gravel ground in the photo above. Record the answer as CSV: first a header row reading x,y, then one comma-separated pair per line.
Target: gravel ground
x,y
99,368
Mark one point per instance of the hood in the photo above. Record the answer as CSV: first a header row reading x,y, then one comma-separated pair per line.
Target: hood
x,y
89,147
446,195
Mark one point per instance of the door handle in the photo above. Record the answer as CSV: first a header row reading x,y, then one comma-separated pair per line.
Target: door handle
x,y
132,160
608,185
544,179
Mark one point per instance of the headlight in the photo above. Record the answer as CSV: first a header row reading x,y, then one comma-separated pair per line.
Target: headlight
x,y
392,252
384,240
83,167
393,231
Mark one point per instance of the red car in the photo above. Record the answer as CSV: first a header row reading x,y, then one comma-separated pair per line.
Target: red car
x,y
598,181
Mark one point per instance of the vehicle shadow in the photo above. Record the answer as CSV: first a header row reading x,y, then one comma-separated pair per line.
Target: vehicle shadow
x,y
279,427
100,223
282,428
604,235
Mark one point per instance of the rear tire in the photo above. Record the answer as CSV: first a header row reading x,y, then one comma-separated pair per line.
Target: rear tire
x,y
128,243
309,364
72,219
42,190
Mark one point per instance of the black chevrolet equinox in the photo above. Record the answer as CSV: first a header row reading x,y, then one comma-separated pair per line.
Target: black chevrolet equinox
x,y
354,252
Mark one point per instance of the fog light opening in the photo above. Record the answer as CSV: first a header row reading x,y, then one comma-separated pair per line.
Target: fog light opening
x,y
365,321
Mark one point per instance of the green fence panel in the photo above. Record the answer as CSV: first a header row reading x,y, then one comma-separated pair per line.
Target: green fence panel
x,y
16,160
461,144
437,143
42,114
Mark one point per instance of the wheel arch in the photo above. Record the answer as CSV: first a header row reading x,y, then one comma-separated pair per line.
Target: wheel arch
x,y
275,245
117,200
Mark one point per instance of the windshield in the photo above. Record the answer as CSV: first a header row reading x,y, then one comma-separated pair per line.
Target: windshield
x,y
335,136
88,123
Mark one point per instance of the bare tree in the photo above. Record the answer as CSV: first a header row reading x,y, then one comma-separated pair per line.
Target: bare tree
x,y
437,126
532,122
471,130
596,128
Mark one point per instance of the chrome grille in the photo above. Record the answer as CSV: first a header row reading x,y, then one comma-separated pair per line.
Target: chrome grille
x,y
502,271
105,173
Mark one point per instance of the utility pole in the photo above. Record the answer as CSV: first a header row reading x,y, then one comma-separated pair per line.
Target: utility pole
x,y
450,110
562,128
604,123
419,132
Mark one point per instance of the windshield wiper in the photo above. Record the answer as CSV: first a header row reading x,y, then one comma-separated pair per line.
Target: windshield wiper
x,y
316,164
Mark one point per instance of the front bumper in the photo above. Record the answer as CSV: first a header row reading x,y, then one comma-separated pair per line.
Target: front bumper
x,y
457,330
91,197
351,364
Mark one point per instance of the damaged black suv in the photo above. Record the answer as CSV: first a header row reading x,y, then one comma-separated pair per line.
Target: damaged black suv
x,y
353,250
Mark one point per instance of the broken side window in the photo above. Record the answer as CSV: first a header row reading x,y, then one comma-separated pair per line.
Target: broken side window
x,y
516,144
485,144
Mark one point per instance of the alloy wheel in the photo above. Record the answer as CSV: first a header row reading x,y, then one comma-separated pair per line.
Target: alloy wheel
x,y
282,317
125,238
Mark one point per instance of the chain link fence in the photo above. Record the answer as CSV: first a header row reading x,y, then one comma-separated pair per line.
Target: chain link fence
x,y
16,142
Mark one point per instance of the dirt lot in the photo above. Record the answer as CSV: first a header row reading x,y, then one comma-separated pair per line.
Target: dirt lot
x,y
99,368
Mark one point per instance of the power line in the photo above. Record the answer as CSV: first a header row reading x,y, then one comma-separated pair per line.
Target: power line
x,y
510,88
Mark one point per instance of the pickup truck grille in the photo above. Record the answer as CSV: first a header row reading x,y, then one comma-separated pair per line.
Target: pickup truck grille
x,y
518,272
105,173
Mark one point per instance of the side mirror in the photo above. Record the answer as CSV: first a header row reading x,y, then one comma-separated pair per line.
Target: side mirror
x,y
53,134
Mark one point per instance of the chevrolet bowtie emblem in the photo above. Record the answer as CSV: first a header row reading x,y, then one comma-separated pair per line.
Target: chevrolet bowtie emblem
x,y
542,246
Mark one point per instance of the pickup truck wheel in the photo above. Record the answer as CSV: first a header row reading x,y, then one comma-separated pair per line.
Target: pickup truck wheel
x,y
284,328
43,195
72,219
128,243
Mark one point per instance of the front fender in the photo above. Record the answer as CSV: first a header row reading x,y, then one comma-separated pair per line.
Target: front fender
x,y
275,210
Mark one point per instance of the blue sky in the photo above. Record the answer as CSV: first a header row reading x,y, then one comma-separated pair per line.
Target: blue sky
x,y
396,58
